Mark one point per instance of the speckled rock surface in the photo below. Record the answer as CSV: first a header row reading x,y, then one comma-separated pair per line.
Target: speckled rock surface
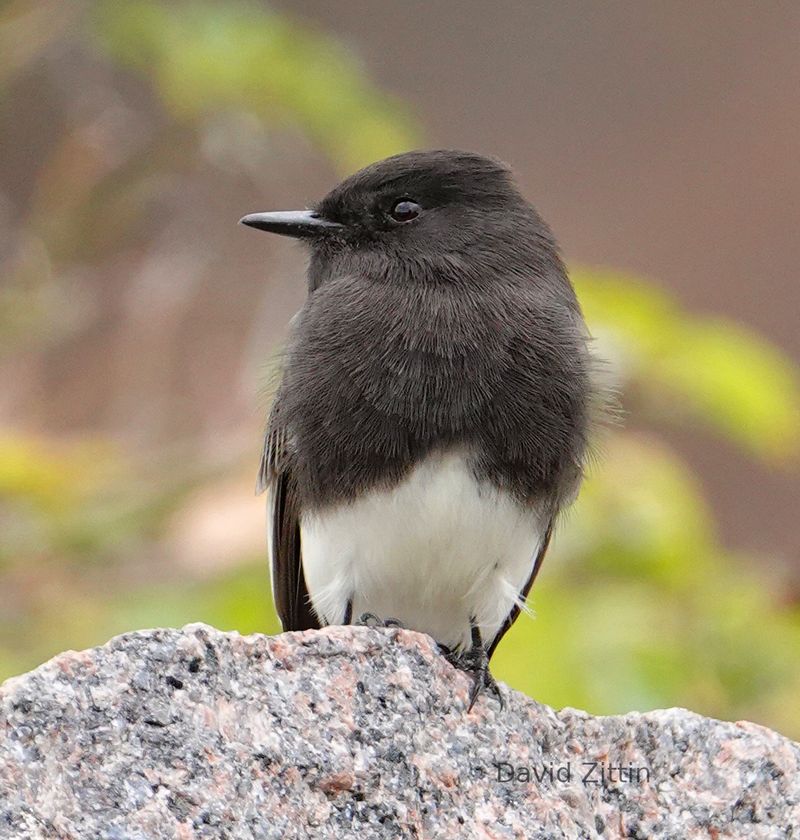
x,y
356,732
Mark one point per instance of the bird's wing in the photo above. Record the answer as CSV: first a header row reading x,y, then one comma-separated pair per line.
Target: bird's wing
x,y
537,564
283,528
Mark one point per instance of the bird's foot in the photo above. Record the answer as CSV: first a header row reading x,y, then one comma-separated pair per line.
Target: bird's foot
x,y
368,620
475,662
394,622
372,620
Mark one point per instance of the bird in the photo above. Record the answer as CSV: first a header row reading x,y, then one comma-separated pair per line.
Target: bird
x,y
435,405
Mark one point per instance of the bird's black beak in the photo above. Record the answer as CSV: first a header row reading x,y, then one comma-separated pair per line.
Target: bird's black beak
x,y
301,224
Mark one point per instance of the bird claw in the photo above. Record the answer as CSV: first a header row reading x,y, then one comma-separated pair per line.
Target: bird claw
x,y
482,679
394,622
371,620
368,620
475,663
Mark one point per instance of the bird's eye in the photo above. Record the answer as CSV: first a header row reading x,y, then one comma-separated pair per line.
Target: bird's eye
x,y
405,210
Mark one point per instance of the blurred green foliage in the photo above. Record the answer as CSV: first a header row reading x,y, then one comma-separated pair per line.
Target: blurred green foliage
x,y
691,368
639,605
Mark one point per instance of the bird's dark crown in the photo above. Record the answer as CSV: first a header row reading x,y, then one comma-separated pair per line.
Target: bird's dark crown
x,y
435,180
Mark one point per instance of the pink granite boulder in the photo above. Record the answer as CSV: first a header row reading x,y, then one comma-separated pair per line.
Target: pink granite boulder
x,y
357,732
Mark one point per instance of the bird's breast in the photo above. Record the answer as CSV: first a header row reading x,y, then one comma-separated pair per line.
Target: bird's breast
x,y
420,353
380,377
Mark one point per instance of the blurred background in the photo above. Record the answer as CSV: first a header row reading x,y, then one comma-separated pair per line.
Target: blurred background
x,y
139,324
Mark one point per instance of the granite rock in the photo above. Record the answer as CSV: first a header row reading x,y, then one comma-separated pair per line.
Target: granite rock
x,y
357,732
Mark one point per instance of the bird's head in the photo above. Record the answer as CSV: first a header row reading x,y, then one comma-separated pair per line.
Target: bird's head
x,y
444,211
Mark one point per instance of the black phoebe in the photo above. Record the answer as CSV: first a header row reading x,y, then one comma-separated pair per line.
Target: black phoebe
x,y
433,412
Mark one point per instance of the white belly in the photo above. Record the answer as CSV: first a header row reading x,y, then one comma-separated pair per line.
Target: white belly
x,y
432,552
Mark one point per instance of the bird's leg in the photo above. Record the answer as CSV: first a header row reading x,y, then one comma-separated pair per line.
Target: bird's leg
x,y
475,661
348,612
